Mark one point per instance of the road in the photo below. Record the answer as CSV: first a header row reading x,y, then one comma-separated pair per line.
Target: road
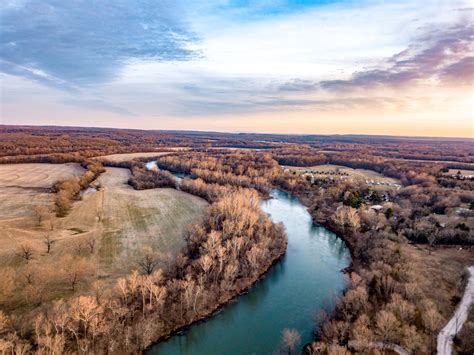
x,y
446,335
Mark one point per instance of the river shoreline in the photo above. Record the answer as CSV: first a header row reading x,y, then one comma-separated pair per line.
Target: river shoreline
x,y
222,303
293,287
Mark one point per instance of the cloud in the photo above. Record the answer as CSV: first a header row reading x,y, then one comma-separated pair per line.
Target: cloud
x,y
76,43
437,56
461,72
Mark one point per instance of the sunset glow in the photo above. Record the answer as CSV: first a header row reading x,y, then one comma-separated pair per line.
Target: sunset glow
x,y
371,67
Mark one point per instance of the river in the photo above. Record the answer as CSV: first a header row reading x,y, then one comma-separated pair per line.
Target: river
x,y
307,279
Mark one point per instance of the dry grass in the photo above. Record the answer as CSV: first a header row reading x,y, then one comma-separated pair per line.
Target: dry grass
x,y
441,273
121,220
22,186
36,175
118,158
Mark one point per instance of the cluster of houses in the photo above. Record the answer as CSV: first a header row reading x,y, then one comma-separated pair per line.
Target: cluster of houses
x,y
382,183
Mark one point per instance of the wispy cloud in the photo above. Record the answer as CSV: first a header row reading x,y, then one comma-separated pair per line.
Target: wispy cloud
x,y
439,55
75,43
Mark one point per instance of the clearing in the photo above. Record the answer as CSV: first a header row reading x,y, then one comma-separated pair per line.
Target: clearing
x,y
330,171
101,238
22,186
119,158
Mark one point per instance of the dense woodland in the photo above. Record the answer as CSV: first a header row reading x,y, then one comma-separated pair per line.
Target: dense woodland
x,y
384,303
236,242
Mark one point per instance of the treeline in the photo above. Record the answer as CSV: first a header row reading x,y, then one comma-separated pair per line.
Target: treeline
x,y
143,178
244,169
68,190
17,141
431,149
59,158
224,255
210,192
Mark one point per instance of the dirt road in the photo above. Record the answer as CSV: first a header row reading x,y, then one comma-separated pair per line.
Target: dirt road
x,y
446,335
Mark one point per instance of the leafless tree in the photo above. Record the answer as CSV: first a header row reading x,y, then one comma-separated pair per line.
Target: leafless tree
x,y
48,241
40,212
290,338
148,261
90,242
26,252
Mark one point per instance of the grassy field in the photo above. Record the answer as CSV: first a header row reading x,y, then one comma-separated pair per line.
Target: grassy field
x,y
36,175
130,156
104,234
22,186
342,172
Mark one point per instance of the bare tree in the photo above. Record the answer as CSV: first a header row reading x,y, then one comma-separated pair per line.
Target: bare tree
x,y
90,242
25,252
431,237
148,261
290,338
77,269
48,242
386,326
40,213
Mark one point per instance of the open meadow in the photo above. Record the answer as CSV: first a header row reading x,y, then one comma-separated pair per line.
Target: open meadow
x,y
102,237
118,158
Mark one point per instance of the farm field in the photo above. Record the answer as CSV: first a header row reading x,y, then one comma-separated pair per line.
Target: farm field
x,y
101,237
23,186
118,158
338,171
36,175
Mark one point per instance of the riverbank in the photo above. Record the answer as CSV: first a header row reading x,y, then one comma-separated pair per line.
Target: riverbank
x,y
223,302
304,281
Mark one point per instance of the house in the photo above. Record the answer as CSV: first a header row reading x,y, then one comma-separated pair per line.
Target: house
x,y
376,208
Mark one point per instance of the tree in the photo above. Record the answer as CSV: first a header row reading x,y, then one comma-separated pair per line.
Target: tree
x,y
389,213
290,338
26,252
375,197
48,241
40,212
90,242
431,237
386,326
353,199
77,268
148,261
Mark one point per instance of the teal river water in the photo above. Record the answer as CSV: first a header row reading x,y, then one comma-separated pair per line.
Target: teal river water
x,y
306,279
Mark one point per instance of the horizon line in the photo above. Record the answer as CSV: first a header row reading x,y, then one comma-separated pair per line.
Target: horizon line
x,y
243,132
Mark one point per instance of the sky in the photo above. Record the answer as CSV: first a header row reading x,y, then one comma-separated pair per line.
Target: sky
x,y
276,66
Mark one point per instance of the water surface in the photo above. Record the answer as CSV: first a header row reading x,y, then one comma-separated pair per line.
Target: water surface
x,y
307,279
